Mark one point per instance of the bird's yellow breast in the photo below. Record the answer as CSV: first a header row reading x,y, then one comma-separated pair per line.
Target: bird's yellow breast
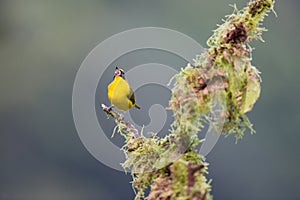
x,y
118,92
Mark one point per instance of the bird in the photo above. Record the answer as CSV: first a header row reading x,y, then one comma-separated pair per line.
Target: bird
x,y
119,92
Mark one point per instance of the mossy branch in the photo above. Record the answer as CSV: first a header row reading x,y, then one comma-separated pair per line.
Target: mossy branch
x,y
171,165
125,128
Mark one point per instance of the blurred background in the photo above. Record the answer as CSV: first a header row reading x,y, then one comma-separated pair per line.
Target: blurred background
x,y
43,43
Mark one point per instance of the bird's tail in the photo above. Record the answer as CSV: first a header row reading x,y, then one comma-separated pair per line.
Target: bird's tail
x,y
135,105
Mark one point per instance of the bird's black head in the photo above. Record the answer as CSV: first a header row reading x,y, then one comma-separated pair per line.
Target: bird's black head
x,y
119,72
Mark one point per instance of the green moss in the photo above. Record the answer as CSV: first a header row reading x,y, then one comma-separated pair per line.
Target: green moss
x,y
223,75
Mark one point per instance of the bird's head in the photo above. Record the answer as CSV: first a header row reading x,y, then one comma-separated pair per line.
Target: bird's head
x,y
119,72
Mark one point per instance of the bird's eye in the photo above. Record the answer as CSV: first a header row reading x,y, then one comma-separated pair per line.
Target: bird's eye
x,y
119,72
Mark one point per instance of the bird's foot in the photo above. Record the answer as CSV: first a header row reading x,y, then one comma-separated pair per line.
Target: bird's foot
x,y
106,108
110,108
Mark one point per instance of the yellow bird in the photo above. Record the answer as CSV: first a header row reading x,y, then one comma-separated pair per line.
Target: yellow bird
x,y
119,92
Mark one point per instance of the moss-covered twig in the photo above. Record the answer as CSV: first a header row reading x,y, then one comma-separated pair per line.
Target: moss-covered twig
x,y
171,166
124,126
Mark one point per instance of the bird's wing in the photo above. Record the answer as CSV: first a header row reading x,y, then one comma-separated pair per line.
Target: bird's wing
x,y
131,96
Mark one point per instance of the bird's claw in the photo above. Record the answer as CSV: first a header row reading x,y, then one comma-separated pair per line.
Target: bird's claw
x,y
107,109
110,108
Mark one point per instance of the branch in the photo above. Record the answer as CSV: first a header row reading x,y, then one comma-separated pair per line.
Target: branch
x,y
123,125
224,69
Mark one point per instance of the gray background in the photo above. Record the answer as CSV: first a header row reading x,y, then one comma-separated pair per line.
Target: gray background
x,y
42,44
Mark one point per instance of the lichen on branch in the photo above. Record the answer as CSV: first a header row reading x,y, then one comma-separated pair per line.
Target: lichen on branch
x,y
171,166
228,59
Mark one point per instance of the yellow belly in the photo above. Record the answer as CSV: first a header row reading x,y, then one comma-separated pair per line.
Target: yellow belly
x,y
118,92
